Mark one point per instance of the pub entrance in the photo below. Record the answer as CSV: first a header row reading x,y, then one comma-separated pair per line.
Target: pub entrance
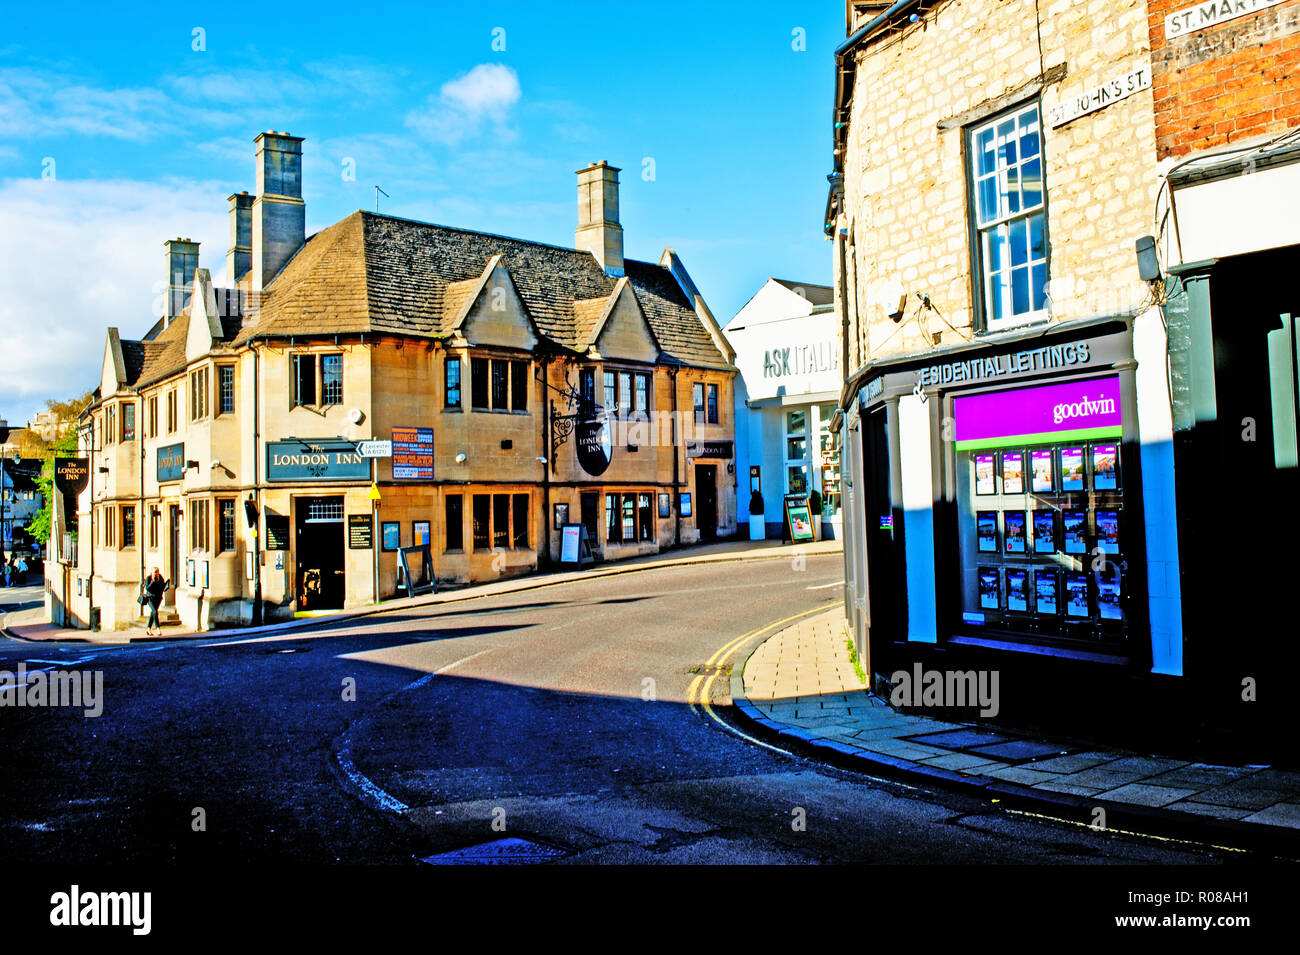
x,y
318,553
706,489
173,553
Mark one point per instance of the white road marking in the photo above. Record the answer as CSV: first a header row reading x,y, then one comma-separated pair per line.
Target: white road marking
x,y
838,583
451,666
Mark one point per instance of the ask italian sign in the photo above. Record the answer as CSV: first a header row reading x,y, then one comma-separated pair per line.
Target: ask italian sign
x,y
1185,21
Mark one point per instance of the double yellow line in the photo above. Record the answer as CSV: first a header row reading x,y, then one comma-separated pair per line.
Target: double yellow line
x,y
700,691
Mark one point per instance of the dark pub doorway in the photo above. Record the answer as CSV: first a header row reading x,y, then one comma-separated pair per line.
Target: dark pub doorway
x,y
706,489
173,553
319,552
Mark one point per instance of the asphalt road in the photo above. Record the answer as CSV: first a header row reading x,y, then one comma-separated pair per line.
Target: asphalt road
x,y
557,715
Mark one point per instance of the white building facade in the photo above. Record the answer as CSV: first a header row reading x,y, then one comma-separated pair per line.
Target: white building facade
x,y
787,390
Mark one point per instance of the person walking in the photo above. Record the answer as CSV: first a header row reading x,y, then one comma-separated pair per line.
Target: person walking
x,y
154,588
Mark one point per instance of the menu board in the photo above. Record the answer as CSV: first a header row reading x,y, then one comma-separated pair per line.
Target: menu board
x,y
413,454
1108,600
392,539
990,595
1105,467
984,483
1076,595
1014,536
1013,472
1044,532
361,532
1108,532
1047,592
1041,471
987,522
1018,589
1071,469
1076,531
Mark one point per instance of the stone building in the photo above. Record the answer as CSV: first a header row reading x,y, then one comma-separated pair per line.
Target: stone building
x,y
1005,419
524,386
1062,237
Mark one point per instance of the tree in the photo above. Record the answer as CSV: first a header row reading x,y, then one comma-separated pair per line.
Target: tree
x,y
64,443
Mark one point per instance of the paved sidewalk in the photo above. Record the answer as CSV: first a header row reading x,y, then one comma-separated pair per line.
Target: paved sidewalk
x,y
29,625
800,685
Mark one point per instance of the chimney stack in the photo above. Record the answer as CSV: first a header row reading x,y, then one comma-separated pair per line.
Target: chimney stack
x,y
279,225
598,230
182,257
239,258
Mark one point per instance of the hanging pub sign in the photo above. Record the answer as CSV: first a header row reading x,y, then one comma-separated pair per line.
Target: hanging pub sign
x,y
315,459
595,444
71,475
171,462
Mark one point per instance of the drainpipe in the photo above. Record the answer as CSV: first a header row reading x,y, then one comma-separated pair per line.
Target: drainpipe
x,y
546,467
257,494
139,437
677,505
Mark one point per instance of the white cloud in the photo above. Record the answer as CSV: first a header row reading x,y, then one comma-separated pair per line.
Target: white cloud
x,y
487,93
78,256
41,103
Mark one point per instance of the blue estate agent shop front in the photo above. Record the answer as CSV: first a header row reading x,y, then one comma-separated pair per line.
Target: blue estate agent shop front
x,y
1010,507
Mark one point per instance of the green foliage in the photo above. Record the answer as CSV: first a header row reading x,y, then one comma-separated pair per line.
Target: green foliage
x,y
64,445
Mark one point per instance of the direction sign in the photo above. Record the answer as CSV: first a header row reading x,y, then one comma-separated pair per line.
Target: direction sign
x,y
375,449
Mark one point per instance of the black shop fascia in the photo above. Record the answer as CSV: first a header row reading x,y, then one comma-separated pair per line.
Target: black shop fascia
x,y
1001,490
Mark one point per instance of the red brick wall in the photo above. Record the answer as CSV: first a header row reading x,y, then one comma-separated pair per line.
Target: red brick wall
x,y
1230,82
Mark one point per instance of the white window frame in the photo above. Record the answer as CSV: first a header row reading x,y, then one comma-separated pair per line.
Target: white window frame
x,y
1001,225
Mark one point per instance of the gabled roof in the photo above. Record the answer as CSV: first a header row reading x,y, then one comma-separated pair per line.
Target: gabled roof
x,y
816,294
376,273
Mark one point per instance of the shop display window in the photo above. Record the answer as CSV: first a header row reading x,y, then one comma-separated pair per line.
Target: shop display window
x,y
1042,541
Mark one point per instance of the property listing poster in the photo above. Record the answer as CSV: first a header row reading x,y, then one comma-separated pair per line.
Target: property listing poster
x,y
1076,531
1041,469
984,474
990,596
987,529
1108,599
1076,594
1044,532
1013,472
1047,592
1108,531
1018,589
1105,471
1071,469
1014,531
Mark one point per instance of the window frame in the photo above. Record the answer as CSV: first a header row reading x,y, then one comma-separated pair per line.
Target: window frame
x,y
128,421
456,546
222,540
325,400
126,514
222,372
985,323
452,361
697,401
199,393
496,382
296,380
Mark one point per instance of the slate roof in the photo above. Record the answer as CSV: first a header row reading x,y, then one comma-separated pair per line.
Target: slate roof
x,y
816,294
377,273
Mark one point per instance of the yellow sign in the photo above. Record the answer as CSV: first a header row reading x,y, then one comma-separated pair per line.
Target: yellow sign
x,y
374,492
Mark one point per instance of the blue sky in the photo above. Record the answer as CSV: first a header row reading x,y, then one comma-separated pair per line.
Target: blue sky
x,y
116,133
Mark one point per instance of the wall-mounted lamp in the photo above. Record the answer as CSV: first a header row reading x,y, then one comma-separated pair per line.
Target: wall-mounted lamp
x,y
191,464
541,459
461,458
